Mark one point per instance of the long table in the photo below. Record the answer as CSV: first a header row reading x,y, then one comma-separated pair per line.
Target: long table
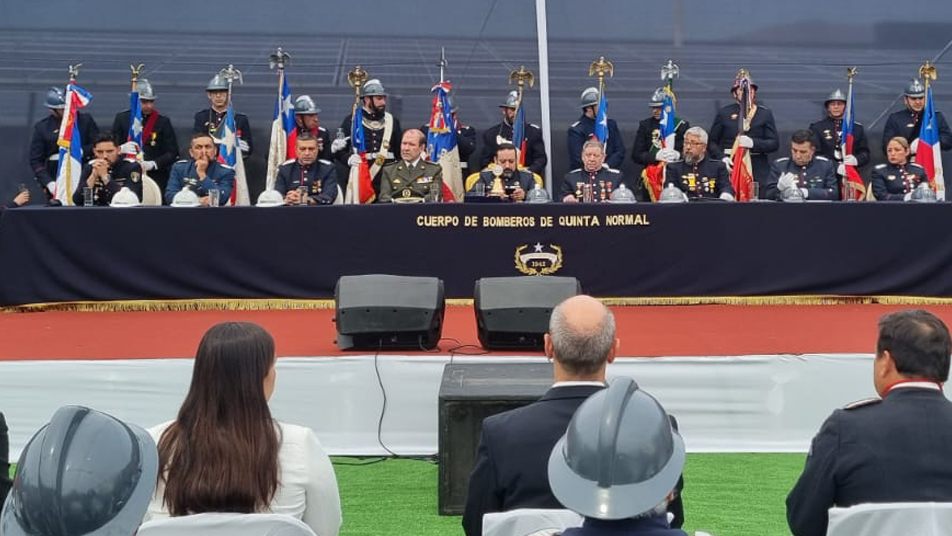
x,y
640,250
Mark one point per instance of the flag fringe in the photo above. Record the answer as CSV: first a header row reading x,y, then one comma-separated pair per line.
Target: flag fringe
x,y
303,305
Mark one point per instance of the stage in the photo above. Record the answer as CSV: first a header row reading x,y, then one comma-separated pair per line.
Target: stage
x,y
740,379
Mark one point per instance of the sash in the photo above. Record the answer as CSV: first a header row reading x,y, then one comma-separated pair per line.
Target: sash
x,y
148,127
384,144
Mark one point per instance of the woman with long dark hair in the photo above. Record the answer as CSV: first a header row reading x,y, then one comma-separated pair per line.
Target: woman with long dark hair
x,y
225,453
898,177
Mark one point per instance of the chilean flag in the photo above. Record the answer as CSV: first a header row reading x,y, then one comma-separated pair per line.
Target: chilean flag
x,y
654,174
71,146
601,120
283,131
360,188
853,186
519,133
928,154
135,119
230,154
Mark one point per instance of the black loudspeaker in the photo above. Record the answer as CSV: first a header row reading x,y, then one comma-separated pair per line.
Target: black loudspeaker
x,y
513,312
468,394
377,312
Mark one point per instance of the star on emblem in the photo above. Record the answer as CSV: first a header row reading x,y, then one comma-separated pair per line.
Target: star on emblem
x,y
538,247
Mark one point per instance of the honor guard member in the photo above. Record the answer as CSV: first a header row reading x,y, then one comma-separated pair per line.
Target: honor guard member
x,y
515,181
107,173
908,122
761,138
411,179
307,121
647,148
211,120
584,129
890,449
382,133
202,172
535,157
465,137
898,178
829,135
44,151
812,174
696,175
307,180
159,146
594,175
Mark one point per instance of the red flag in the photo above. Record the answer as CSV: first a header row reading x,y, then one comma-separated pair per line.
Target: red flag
x,y
653,177
742,176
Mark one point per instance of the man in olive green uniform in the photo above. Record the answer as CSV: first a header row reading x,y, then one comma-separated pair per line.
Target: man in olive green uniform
x,y
411,179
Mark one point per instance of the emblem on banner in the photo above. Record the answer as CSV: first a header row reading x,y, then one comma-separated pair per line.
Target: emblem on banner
x,y
541,260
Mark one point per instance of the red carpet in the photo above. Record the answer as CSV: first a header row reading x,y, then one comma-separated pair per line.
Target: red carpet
x,y
644,331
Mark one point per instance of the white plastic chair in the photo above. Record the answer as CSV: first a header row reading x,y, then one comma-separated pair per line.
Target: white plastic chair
x,y
215,524
151,194
891,519
530,522
339,200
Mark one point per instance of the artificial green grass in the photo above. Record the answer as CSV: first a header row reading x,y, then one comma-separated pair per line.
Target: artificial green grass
x,y
724,494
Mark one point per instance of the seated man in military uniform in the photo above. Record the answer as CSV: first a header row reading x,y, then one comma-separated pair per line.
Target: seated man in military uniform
x,y
813,175
698,176
307,180
107,173
202,172
411,179
515,182
594,176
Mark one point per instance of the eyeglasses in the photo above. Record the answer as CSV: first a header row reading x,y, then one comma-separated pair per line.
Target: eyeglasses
x,y
695,143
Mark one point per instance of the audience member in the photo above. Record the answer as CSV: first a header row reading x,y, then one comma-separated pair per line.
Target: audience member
x,y
4,460
225,453
888,449
618,464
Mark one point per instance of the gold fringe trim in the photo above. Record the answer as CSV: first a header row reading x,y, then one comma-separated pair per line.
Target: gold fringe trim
x,y
302,305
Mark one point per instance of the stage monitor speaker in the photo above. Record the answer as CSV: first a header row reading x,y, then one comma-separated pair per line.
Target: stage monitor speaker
x,y
388,312
513,312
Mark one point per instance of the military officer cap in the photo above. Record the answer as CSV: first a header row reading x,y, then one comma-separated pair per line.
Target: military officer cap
x,y
373,88
915,88
217,83
657,98
55,98
836,95
589,98
512,100
145,90
304,105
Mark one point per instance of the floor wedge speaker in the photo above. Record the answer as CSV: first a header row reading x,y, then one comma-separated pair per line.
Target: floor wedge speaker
x,y
512,313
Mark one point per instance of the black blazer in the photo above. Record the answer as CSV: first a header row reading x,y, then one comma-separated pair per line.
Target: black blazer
x,y
512,460
896,450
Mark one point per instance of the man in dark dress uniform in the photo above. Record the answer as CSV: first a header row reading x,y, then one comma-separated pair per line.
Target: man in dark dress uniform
x,y
159,145
894,448
210,119
202,172
696,175
583,130
594,174
109,172
515,181
44,152
811,174
382,133
317,177
760,139
907,123
535,157
829,136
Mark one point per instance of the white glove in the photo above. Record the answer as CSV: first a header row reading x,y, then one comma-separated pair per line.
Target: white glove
x,y
914,145
243,145
728,162
354,160
841,169
850,160
130,148
338,144
669,155
149,165
907,197
659,156
51,186
727,197
745,141
787,180
805,192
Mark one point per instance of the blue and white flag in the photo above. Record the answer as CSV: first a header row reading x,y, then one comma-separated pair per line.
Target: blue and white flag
x,y
441,142
601,120
283,131
71,145
135,119
229,153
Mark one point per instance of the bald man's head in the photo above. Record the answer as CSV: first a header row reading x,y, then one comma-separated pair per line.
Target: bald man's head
x,y
581,336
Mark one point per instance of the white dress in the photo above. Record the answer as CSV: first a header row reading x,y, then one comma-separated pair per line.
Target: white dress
x,y
307,486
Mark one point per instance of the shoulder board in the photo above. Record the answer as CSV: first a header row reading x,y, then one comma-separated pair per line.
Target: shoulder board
x,y
858,124
322,129
321,160
880,166
533,125
821,157
226,166
913,164
288,162
575,124
784,159
612,170
182,160
576,170
863,403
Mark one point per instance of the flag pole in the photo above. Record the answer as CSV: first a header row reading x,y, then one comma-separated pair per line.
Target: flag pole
x,y
442,64
278,150
542,36
928,72
136,68
521,76
356,79
73,75
600,68
848,186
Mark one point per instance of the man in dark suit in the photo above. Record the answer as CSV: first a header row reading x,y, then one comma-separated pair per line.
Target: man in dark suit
x,y
511,468
888,449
